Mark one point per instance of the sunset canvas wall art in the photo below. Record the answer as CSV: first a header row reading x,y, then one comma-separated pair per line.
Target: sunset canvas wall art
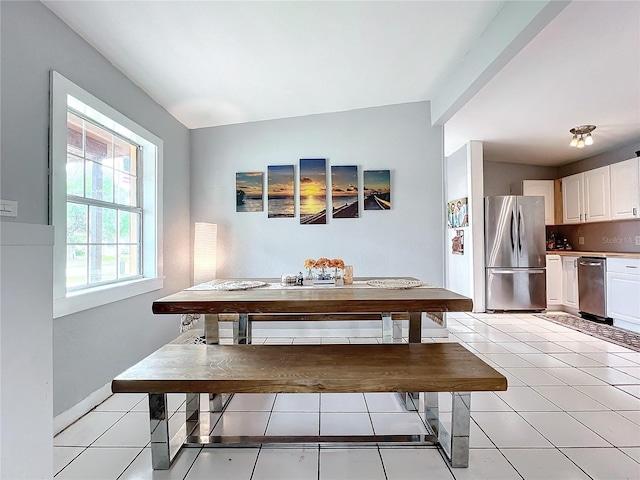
x,y
344,191
249,192
313,191
280,191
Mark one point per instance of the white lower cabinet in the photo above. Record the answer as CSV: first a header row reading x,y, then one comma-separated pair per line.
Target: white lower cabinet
x,y
554,280
570,281
623,291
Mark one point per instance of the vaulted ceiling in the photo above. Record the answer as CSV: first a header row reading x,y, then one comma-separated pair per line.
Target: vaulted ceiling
x,y
214,63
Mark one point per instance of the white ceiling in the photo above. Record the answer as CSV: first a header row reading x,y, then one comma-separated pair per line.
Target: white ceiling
x,y
214,63
583,68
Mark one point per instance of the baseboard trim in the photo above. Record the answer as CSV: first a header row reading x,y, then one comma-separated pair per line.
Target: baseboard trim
x,y
66,418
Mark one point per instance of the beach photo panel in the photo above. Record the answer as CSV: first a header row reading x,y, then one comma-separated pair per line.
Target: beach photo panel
x,y
313,191
377,189
280,191
344,191
249,192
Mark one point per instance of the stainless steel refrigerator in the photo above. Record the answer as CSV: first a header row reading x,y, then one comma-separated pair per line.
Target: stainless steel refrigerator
x,y
515,253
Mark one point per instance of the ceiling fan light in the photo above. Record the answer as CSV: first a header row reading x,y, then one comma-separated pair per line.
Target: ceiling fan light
x,y
580,142
588,140
574,141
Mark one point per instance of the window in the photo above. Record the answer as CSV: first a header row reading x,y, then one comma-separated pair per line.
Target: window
x,y
105,173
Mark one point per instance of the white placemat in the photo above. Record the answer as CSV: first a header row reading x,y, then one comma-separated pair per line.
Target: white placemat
x,y
229,285
277,286
394,283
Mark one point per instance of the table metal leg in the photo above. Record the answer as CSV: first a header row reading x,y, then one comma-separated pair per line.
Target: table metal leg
x,y
387,328
415,327
391,329
211,329
244,329
411,399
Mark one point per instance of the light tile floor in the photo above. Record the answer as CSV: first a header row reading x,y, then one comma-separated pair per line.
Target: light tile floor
x,y
572,410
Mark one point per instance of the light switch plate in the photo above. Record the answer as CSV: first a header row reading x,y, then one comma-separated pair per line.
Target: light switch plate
x,y
8,208
581,240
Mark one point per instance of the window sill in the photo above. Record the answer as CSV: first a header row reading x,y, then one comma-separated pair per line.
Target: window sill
x,y
78,301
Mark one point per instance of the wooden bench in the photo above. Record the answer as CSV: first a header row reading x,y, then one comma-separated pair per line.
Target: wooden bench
x,y
220,369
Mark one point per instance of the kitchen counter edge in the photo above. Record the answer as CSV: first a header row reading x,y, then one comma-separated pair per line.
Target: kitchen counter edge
x,y
578,253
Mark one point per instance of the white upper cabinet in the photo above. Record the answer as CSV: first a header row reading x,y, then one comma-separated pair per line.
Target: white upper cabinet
x,y
572,202
597,196
586,196
541,188
625,189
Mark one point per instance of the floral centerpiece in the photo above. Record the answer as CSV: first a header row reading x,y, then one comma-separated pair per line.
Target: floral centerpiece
x,y
338,266
323,273
309,264
322,264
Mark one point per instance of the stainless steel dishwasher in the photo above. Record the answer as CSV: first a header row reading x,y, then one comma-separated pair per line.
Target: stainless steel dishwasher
x,y
592,293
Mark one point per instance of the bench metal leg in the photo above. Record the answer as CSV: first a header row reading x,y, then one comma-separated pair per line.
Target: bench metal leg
x,y
460,426
159,425
456,442
163,448
410,400
193,411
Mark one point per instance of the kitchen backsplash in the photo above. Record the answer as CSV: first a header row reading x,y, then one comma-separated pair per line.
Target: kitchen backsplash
x,y
622,236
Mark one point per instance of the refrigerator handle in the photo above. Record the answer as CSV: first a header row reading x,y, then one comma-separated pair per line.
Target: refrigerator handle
x,y
520,229
513,247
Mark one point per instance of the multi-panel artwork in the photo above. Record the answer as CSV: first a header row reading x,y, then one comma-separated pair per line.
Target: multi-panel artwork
x,y
344,191
313,191
346,200
377,190
280,191
249,192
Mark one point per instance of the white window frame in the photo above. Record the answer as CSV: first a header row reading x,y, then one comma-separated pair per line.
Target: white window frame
x,y
65,93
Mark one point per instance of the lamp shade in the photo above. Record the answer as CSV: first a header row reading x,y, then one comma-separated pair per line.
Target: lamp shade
x,y
205,241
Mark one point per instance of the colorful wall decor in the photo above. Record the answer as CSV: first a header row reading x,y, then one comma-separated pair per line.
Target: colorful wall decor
x,y
313,191
457,243
344,191
249,192
280,191
457,213
377,189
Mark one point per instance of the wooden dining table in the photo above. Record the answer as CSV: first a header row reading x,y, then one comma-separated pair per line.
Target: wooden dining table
x,y
348,302
307,303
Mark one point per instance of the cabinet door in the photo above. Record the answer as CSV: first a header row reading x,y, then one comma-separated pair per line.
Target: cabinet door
x,y
597,196
570,281
541,188
625,189
554,280
572,198
623,292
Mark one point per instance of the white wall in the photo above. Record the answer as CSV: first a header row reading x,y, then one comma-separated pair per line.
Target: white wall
x,y
91,347
407,240
26,347
464,178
